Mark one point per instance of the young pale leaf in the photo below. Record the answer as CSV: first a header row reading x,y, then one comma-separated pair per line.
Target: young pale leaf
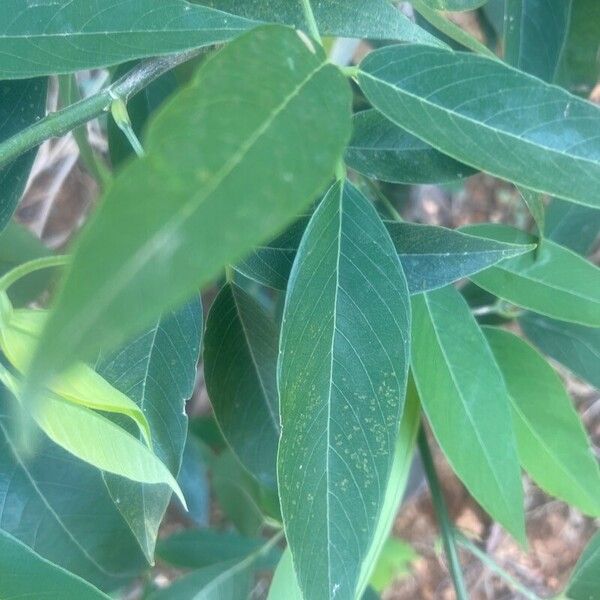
x,y
171,221
28,576
380,149
21,104
346,18
585,579
393,563
574,346
99,442
573,226
551,441
535,35
342,372
431,256
240,369
490,116
466,401
82,530
62,36
535,205
553,280
157,370
195,549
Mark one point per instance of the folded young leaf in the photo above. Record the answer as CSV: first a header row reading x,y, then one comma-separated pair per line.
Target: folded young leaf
x,y
342,372
465,399
585,579
21,104
61,36
574,346
553,280
28,576
382,150
240,370
535,35
551,441
95,439
431,256
79,384
157,370
343,18
490,116
171,221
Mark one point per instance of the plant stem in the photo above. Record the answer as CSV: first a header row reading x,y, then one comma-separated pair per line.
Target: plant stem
x,y
487,560
69,94
441,512
38,264
384,200
311,21
61,122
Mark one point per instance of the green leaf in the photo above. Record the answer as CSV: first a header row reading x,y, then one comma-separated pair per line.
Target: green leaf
x,y
535,35
454,4
585,579
139,109
235,119
574,346
553,280
467,404
346,18
381,150
18,246
229,579
21,104
342,377
489,116
194,549
28,576
60,36
580,65
194,483
393,563
81,530
157,370
240,370
535,205
551,441
576,227
238,494
431,256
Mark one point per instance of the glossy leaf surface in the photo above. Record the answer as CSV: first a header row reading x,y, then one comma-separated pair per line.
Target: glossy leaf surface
x,y
467,404
552,443
240,366
157,370
200,153
573,226
454,4
346,18
535,35
21,104
381,150
574,346
489,116
60,36
342,377
552,280
28,576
